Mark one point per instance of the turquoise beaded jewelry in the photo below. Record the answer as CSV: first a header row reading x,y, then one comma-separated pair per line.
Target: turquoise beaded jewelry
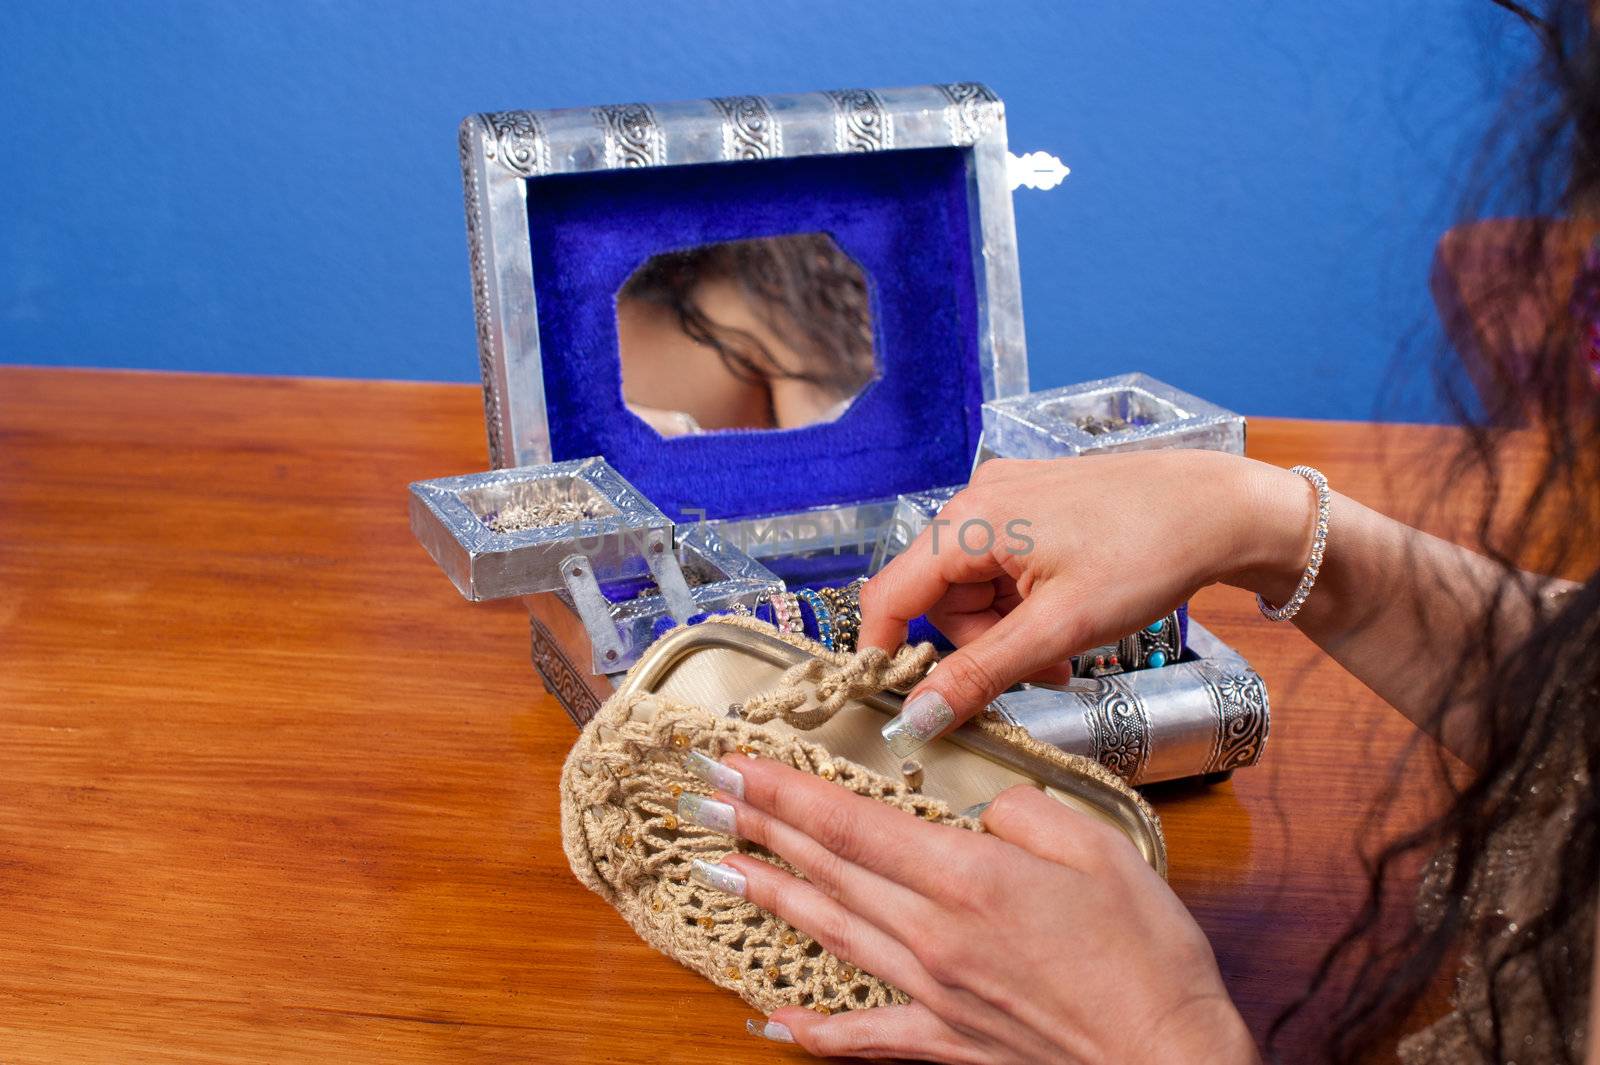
x,y
1157,644
824,616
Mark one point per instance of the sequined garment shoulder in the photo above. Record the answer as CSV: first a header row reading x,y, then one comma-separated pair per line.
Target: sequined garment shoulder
x,y
1517,881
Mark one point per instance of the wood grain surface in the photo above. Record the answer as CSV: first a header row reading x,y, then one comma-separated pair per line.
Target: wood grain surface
x,y
270,791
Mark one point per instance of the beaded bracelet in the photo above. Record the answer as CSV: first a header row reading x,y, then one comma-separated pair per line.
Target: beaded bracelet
x,y
820,611
1314,565
1158,644
844,603
785,611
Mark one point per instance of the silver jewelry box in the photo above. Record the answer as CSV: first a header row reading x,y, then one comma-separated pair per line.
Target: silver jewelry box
x,y
586,227
502,152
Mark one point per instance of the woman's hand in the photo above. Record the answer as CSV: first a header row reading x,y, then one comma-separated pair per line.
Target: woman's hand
x,y
1036,561
1050,939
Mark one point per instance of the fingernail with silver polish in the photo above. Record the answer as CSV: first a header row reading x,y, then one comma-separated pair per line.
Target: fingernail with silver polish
x,y
922,719
707,813
717,877
715,774
778,1033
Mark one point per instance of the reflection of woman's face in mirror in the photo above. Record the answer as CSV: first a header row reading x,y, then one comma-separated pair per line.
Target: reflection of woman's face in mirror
x,y
756,334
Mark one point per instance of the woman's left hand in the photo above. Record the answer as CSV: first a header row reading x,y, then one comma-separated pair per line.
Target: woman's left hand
x,y
1047,939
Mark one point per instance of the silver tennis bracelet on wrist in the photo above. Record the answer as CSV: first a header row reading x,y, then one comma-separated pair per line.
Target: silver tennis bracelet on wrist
x,y
1319,543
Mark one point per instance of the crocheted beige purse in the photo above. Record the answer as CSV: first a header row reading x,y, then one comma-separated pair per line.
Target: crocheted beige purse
x,y
738,685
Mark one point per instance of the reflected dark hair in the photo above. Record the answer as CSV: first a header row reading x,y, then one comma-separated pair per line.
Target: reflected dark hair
x,y
1531,396
804,287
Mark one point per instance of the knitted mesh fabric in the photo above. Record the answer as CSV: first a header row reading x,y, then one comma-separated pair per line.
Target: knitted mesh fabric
x,y
623,839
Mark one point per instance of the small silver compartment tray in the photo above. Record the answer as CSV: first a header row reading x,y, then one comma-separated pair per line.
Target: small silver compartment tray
x,y
452,517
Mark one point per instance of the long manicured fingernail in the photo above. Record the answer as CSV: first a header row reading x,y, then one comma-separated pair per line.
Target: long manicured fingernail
x,y
715,774
707,813
717,877
923,718
760,1026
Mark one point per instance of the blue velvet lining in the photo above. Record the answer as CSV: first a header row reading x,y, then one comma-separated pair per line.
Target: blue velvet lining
x,y
903,215
920,630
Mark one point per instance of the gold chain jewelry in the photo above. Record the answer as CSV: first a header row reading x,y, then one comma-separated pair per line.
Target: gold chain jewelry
x,y
845,606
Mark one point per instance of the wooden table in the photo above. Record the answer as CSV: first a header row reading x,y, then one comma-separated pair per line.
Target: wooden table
x,y
271,791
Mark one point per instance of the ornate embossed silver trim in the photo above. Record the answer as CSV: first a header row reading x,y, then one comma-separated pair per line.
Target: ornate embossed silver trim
x,y
749,130
561,678
1121,730
1242,718
972,112
481,312
520,144
633,137
861,123
1203,715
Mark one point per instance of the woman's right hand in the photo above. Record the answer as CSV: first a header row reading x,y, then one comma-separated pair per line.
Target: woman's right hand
x,y
1035,561
1046,938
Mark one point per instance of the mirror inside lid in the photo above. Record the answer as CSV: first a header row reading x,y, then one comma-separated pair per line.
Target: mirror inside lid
x,y
748,305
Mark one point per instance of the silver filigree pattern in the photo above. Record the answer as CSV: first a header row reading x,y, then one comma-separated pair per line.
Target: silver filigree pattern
x,y
480,291
560,676
519,142
749,130
972,110
633,137
861,122
1242,717
1121,731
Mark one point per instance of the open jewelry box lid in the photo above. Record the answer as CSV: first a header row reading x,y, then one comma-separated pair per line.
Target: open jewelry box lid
x,y
563,207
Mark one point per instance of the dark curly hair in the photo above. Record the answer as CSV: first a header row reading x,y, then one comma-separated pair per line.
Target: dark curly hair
x,y
805,288
1538,695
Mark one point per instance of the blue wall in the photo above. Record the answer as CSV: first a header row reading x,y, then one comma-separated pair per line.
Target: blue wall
x,y
272,188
